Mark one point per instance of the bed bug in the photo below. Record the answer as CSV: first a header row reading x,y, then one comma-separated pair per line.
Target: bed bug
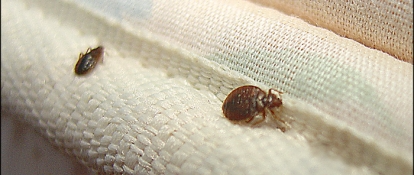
x,y
88,60
246,102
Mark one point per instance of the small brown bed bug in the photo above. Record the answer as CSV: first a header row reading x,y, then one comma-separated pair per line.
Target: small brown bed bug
x,y
88,60
246,102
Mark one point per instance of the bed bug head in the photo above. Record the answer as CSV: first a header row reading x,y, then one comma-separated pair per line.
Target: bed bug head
x,y
273,99
97,52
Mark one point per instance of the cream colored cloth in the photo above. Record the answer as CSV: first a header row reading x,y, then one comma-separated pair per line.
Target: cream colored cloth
x,y
379,24
154,105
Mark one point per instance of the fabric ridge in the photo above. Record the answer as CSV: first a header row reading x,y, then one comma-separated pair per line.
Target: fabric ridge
x,y
153,106
383,25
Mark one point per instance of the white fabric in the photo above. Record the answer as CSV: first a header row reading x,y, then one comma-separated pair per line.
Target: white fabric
x,y
154,105
380,24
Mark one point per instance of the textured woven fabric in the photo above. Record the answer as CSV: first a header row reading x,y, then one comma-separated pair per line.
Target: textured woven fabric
x,y
154,105
383,25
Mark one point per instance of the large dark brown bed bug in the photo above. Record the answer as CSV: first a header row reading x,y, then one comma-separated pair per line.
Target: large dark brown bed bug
x,y
88,60
246,102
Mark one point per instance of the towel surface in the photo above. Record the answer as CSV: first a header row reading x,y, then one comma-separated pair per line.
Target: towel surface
x,y
153,106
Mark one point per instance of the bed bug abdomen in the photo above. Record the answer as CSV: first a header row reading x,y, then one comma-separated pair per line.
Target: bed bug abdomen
x,y
88,60
244,103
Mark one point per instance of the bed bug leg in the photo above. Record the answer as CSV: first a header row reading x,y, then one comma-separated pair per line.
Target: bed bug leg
x,y
278,118
284,123
273,89
249,120
257,122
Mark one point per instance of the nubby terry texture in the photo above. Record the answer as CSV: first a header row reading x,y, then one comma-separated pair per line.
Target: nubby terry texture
x,y
154,105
